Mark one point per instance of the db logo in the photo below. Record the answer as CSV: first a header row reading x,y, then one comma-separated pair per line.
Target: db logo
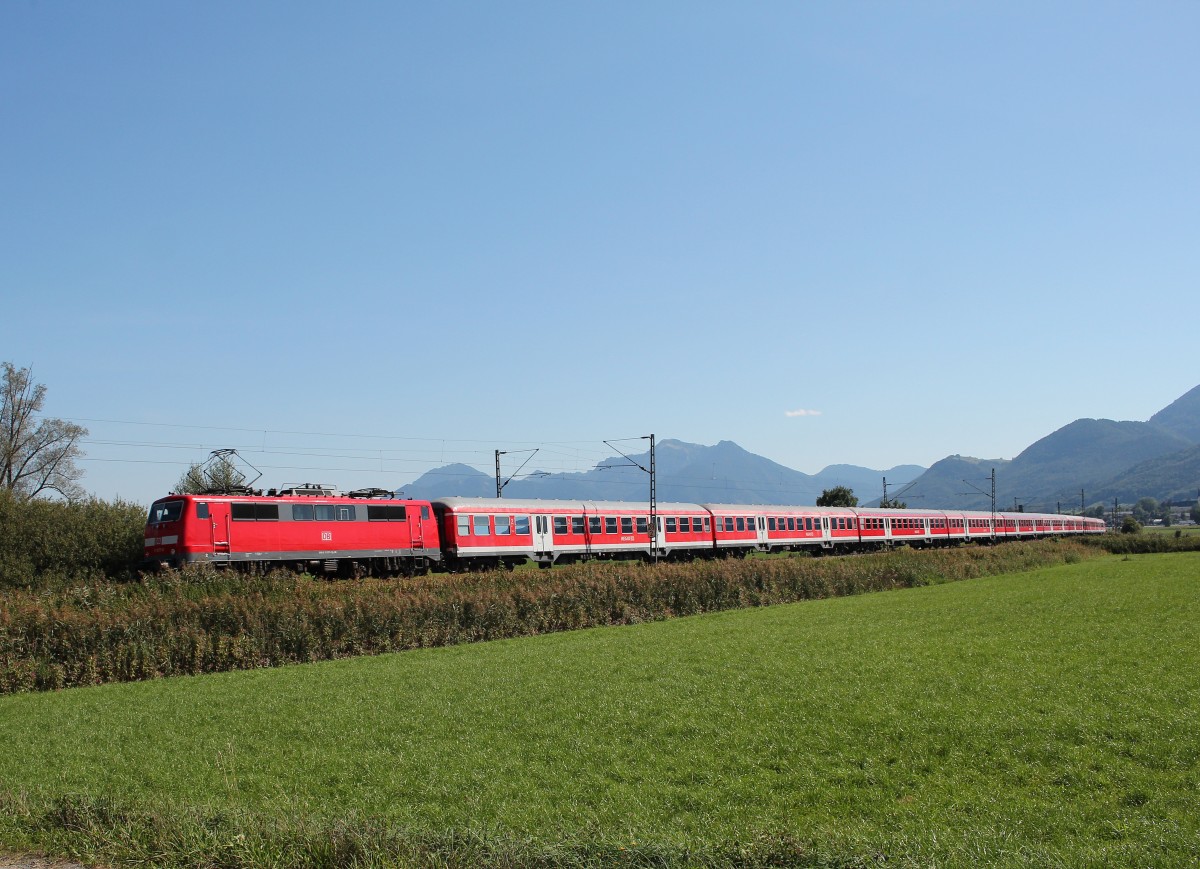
x,y
327,535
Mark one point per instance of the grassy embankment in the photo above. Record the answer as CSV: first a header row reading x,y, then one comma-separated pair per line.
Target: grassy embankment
x,y
1045,718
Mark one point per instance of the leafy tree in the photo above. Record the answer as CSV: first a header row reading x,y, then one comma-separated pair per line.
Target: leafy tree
x,y
892,504
37,454
1096,512
1145,510
1130,526
218,474
1196,512
838,496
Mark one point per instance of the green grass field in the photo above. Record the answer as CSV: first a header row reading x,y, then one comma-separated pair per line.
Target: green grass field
x,y
1050,718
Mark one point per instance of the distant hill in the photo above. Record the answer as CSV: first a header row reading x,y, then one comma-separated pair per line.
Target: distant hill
x,y
724,473
1167,478
961,482
1182,416
1098,458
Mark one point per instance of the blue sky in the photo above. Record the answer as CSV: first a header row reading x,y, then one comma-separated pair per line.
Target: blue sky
x,y
358,240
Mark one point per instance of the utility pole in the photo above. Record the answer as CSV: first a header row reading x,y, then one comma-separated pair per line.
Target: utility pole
x,y
1082,502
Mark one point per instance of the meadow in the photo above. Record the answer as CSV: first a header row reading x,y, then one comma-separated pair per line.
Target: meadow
x,y
1041,718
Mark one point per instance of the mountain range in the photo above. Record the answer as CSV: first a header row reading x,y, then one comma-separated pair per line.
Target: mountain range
x,y
693,473
1088,462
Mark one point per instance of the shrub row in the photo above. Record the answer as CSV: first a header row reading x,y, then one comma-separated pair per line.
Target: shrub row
x,y
48,544
200,620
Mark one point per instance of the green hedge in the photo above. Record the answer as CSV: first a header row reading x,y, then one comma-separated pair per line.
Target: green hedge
x,y
48,544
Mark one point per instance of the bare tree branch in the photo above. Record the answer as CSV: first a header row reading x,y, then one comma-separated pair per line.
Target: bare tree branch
x,y
37,454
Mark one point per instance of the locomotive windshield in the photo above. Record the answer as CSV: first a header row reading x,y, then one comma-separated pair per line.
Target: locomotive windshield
x,y
167,511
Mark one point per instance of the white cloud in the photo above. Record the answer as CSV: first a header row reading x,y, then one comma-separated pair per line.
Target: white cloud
x,y
802,413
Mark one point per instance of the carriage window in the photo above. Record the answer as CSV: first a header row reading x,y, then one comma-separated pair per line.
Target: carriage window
x,y
560,524
741,524
771,523
201,510
522,526
751,523
685,524
502,524
303,513
643,525
706,526
577,525
610,524
626,525
670,523
594,524
480,525
424,512
464,526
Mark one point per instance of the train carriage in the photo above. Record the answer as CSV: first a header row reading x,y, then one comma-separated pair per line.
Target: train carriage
x,y
483,532
792,528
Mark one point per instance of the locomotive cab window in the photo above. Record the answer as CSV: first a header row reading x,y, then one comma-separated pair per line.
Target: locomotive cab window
x,y
168,512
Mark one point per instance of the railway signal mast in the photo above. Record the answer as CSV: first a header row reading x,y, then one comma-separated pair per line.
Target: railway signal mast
x,y
499,485
653,493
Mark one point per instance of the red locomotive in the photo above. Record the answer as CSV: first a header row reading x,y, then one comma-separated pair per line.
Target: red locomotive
x,y
308,528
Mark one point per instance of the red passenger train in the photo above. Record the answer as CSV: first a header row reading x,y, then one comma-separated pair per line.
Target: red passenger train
x,y
315,529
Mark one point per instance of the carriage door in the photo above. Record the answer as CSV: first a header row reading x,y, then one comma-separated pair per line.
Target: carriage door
x,y
761,528
542,539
